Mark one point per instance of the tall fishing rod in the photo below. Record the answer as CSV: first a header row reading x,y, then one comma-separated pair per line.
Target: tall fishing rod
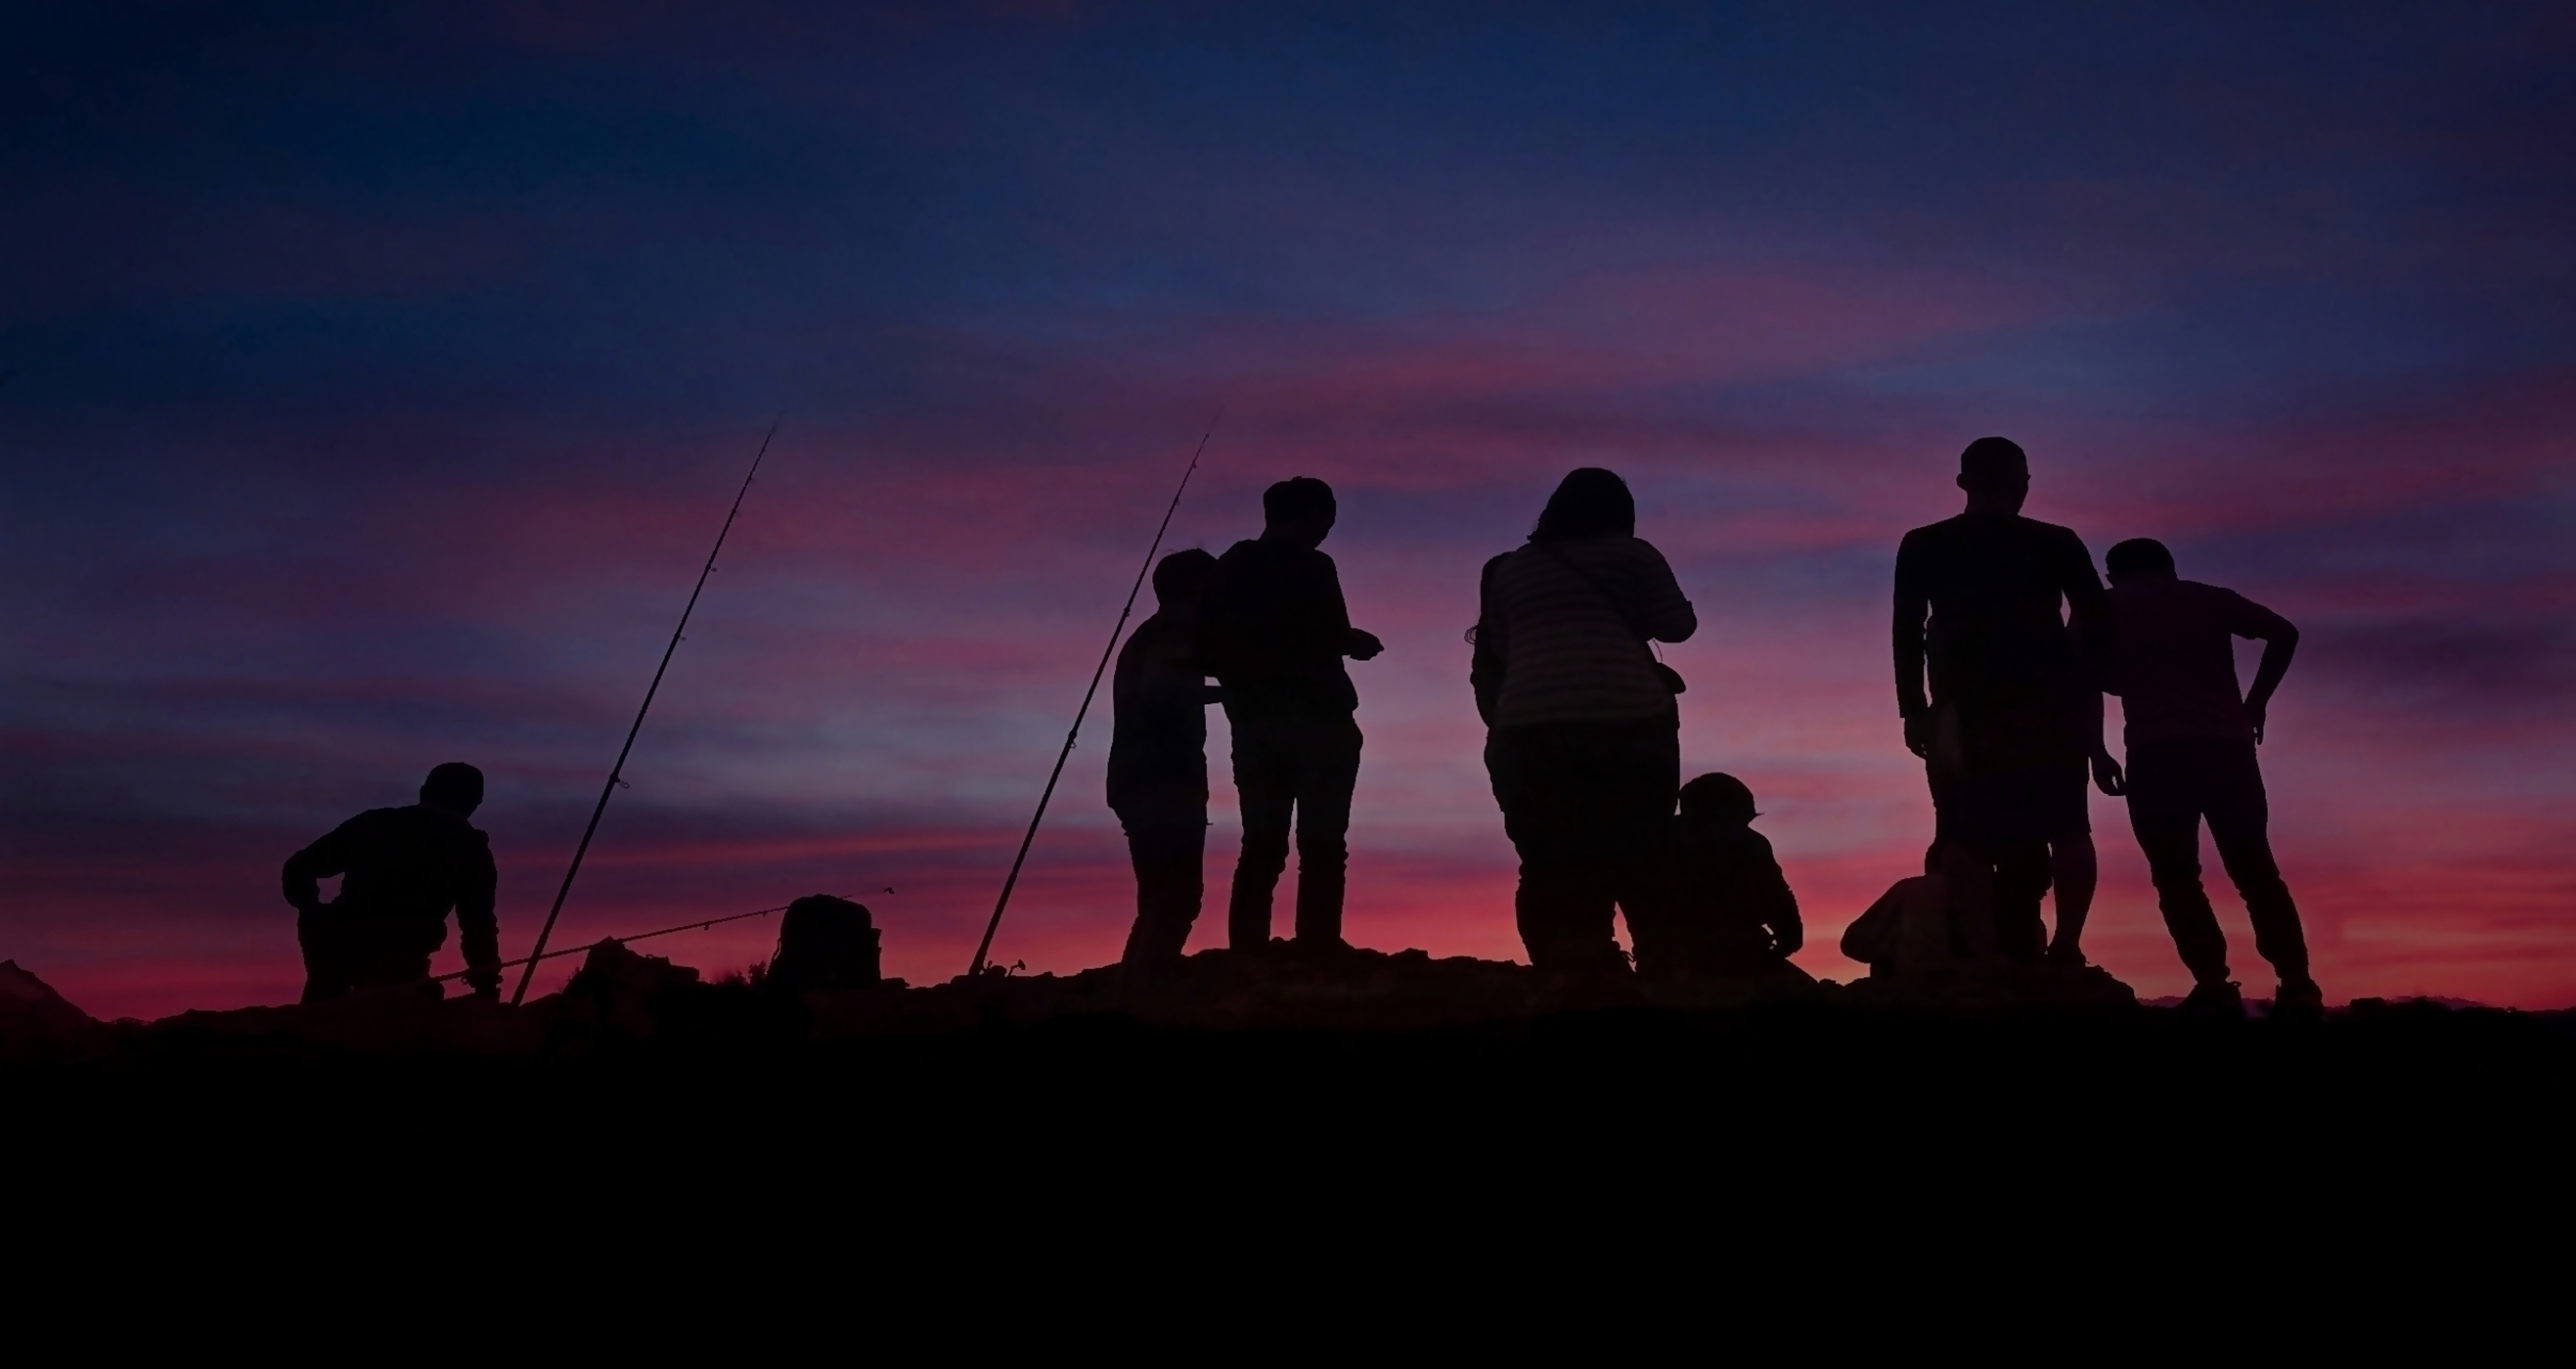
x,y
620,940
616,773
984,947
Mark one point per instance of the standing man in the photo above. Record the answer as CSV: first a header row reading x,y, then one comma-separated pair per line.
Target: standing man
x,y
1158,760
1273,630
405,868
2012,715
2191,739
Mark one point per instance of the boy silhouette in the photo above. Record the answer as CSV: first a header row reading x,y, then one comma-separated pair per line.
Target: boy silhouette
x,y
1158,760
2191,737
1719,906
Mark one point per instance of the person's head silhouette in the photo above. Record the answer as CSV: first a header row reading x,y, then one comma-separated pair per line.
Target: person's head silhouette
x,y
455,786
1299,512
1179,576
2138,559
1995,474
1589,502
1718,798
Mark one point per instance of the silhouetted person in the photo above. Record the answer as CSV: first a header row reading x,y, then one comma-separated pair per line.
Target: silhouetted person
x,y
1908,929
2013,712
1273,630
404,869
2191,737
1158,759
1583,741
1719,906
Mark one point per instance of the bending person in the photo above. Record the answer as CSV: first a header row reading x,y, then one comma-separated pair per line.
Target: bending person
x,y
1583,741
2191,739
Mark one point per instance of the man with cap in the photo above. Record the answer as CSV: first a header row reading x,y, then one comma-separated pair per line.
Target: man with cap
x,y
403,869
2013,712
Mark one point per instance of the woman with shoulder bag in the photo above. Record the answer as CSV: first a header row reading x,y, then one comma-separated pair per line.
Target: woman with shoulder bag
x,y
1583,740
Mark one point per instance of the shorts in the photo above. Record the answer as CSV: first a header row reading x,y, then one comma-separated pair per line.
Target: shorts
x,y
2045,803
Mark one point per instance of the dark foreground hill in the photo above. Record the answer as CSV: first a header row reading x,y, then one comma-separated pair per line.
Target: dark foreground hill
x,y
1378,1105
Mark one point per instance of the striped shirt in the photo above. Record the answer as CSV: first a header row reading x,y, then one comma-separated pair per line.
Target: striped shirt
x,y
1568,652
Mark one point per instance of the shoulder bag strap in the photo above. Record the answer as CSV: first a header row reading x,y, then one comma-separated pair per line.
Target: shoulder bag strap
x,y
1672,678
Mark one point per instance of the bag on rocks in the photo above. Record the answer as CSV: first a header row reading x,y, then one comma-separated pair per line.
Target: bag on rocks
x,y
825,943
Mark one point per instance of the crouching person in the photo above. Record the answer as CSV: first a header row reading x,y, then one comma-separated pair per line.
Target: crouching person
x,y
1719,906
2192,737
404,869
1158,782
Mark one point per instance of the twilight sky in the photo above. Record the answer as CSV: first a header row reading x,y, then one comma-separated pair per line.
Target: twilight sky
x,y
376,377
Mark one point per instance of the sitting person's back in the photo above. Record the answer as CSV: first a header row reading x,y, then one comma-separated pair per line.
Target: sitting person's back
x,y
1719,906
1908,928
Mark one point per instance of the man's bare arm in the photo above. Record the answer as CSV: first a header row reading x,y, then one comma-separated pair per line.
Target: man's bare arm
x,y
2088,607
2280,642
2107,775
1912,607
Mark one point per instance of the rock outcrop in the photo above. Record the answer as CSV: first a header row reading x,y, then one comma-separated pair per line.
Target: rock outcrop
x,y
621,1000
38,1024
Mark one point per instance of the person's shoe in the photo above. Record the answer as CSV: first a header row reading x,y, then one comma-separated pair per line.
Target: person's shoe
x,y
2299,998
2064,957
2216,999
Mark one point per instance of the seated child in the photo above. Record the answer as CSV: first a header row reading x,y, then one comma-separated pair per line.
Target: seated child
x,y
1909,927
1717,904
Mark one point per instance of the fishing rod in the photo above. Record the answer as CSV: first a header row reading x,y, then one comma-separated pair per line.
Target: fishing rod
x,y
620,940
985,946
616,773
